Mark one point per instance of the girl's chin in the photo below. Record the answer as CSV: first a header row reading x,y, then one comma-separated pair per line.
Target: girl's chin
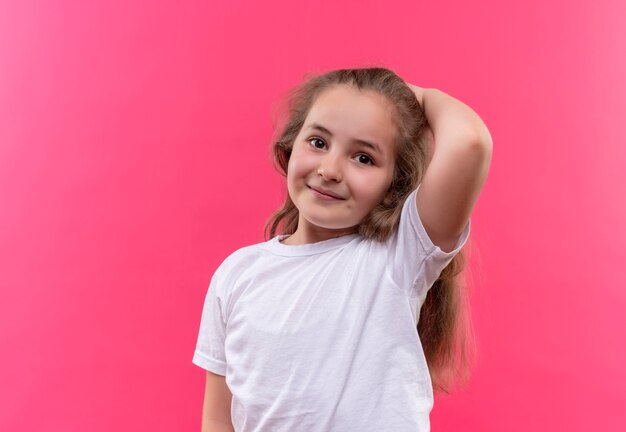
x,y
324,223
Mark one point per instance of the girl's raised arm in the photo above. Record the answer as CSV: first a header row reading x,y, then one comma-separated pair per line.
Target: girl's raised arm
x,y
457,170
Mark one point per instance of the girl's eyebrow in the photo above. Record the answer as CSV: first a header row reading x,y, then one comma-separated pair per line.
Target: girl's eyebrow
x,y
373,146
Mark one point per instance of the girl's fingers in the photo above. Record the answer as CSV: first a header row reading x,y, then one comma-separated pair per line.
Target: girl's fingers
x,y
419,92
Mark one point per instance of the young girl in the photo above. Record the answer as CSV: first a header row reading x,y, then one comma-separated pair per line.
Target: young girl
x,y
346,318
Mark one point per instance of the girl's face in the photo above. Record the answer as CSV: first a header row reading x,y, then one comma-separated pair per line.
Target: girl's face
x,y
345,149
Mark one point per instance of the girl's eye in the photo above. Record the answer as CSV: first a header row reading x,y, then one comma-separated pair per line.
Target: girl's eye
x,y
363,158
312,140
368,160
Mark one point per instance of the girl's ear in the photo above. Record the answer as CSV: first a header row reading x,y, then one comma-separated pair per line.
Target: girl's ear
x,y
387,200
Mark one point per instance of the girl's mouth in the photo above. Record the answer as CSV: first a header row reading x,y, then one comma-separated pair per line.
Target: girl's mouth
x,y
323,196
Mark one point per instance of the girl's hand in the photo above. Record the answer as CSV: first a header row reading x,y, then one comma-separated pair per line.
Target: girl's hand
x,y
429,136
419,92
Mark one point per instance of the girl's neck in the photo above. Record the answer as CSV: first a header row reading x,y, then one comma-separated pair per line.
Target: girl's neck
x,y
307,236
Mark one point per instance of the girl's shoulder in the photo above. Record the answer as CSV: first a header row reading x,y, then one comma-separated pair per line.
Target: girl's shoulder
x,y
244,256
237,265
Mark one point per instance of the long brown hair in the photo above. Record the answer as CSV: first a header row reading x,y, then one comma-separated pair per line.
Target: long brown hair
x,y
444,325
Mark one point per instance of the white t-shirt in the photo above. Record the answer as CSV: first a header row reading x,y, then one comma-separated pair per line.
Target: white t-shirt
x,y
322,336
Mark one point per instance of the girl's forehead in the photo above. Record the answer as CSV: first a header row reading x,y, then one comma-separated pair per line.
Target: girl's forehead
x,y
352,113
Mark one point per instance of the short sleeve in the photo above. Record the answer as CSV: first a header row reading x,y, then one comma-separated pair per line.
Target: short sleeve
x,y
209,353
414,262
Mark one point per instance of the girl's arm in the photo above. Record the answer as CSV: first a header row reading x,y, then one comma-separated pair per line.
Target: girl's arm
x,y
457,170
216,406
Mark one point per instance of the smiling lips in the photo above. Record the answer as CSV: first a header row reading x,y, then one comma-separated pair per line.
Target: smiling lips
x,y
326,193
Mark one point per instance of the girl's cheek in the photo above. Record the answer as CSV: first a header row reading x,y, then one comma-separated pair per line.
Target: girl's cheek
x,y
297,165
370,185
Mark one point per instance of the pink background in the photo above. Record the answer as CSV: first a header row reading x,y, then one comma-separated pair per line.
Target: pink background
x,y
134,157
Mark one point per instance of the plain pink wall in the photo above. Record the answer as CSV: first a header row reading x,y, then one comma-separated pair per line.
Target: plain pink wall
x,y
134,156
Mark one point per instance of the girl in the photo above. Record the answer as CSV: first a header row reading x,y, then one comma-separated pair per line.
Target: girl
x,y
346,318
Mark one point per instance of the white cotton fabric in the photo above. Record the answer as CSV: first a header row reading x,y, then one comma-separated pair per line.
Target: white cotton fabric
x,y
322,336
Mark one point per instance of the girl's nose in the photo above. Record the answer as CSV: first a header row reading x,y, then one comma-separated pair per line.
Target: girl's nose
x,y
330,170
